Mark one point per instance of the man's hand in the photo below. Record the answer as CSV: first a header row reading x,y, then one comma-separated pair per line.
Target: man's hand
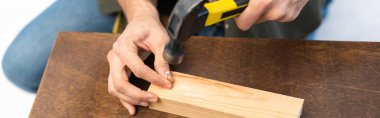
x,y
144,31
259,11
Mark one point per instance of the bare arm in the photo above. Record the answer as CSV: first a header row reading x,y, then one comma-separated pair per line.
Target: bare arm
x,y
144,31
138,8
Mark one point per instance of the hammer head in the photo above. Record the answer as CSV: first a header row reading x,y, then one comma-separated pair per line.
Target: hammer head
x,y
183,22
174,53
189,16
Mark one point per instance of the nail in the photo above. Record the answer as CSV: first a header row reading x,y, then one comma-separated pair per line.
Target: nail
x,y
153,99
150,95
168,76
145,104
168,85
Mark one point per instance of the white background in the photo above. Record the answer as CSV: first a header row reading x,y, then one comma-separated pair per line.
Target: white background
x,y
353,20
14,15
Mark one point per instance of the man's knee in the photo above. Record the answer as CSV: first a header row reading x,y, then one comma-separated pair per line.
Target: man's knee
x,y
21,74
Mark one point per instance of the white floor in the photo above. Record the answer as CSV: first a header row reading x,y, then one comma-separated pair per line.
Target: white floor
x,y
15,14
348,20
353,20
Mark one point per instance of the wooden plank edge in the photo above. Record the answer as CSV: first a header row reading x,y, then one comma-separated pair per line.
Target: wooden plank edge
x,y
179,107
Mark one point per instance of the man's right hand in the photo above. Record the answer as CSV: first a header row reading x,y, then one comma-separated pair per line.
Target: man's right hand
x,y
144,31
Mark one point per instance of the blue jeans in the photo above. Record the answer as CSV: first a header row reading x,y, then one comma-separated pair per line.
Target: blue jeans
x,y
25,59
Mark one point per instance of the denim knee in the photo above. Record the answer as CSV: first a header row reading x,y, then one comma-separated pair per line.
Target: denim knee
x,y
20,76
25,60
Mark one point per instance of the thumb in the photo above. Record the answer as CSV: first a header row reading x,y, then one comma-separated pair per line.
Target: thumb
x,y
162,67
160,64
251,14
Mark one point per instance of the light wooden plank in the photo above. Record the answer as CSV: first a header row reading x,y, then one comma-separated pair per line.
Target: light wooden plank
x,y
199,97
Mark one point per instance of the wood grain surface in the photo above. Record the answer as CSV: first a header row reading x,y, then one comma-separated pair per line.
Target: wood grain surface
x,y
197,97
336,79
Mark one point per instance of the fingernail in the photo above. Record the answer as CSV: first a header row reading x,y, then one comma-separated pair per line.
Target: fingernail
x,y
168,76
145,104
131,112
168,85
150,95
153,99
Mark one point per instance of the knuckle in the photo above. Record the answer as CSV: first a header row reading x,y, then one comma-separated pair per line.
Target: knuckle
x,y
244,28
289,18
111,91
165,36
133,33
161,64
266,3
116,46
131,101
155,80
242,25
119,88
134,102
276,14
139,71
138,96
109,56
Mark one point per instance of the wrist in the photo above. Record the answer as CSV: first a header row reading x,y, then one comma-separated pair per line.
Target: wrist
x,y
139,9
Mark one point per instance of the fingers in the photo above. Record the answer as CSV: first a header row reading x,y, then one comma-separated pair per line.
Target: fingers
x,y
149,35
131,109
277,12
282,13
128,51
288,17
160,64
259,11
252,13
294,12
126,98
162,67
119,86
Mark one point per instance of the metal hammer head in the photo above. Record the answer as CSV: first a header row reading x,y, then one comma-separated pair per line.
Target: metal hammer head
x,y
182,24
173,55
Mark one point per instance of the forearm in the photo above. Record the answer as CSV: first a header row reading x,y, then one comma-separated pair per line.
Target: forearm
x,y
139,8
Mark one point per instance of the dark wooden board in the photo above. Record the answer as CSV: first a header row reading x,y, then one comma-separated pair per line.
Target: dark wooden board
x,y
336,79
